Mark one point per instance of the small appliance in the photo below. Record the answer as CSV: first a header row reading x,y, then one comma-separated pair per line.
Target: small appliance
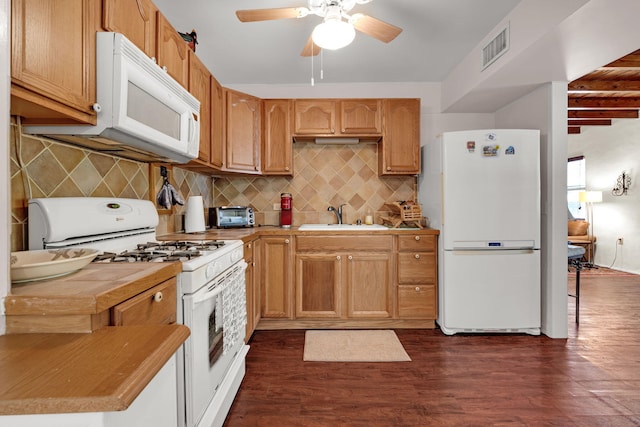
x,y
194,217
285,210
231,216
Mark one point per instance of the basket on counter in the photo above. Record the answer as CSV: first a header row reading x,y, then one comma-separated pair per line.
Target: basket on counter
x,y
408,214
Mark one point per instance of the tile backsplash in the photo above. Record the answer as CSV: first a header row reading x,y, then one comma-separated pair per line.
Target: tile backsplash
x,y
323,176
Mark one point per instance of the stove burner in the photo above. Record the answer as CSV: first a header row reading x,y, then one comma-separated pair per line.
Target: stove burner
x,y
162,251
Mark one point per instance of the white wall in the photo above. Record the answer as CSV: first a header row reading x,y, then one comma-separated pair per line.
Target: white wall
x,y
5,219
608,151
545,109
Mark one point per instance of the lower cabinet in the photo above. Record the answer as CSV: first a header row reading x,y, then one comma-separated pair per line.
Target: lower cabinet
x,y
336,278
252,278
275,271
417,276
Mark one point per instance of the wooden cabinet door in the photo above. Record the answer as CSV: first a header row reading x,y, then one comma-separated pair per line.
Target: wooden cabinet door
x,y
417,301
200,87
399,150
277,145
275,271
172,51
53,47
155,306
243,132
361,116
318,286
314,117
368,285
136,19
216,158
251,253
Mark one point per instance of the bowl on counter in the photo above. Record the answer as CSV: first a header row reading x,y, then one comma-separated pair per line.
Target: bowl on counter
x,y
29,266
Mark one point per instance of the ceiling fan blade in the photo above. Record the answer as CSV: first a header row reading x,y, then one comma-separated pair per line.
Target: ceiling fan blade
x,y
310,48
375,28
253,15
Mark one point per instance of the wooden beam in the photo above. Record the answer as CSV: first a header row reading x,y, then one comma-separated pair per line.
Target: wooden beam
x,y
586,86
603,103
590,122
603,114
573,130
631,60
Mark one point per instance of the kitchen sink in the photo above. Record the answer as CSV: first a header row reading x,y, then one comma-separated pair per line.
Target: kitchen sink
x,y
339,227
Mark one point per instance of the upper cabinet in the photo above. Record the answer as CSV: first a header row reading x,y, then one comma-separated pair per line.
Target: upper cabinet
x,y
331,117
200,87
243,132
277,145
53,60
399,150
172,51
136,19
217,124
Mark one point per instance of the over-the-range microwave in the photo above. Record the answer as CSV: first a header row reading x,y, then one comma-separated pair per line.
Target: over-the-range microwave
x,y
142,112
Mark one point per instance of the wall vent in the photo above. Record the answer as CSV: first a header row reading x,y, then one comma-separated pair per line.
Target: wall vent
x,y
496,48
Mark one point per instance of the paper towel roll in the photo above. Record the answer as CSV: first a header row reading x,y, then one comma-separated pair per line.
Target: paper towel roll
x,y
194,217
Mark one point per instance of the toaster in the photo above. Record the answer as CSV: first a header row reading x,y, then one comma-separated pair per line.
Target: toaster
x,y
231,216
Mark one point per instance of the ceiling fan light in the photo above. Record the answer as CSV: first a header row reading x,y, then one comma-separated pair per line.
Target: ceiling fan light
x,y
333,34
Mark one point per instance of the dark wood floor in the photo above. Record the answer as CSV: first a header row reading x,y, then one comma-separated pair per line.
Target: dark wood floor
x,y
590,379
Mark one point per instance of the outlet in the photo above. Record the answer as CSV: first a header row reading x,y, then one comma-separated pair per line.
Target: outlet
x,y
620,241
276,206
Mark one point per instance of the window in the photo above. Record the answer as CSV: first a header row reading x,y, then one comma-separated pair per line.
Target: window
x,y
576,182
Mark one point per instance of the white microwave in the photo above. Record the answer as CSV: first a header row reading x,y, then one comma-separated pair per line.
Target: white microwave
x,y
142,112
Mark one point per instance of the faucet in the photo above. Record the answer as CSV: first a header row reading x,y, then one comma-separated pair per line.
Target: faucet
x,y
338,212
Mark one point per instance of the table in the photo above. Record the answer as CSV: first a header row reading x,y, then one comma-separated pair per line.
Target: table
x,y
575,255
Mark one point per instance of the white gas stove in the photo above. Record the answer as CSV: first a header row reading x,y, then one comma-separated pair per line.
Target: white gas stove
x,y
211,289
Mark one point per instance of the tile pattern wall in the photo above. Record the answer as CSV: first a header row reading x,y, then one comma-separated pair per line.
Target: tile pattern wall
x,y
323,176
41,167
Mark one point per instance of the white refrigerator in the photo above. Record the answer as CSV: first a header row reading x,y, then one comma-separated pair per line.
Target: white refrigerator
x,y
481,189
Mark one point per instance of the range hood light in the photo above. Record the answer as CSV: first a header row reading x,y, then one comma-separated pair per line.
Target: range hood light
x,y
337,141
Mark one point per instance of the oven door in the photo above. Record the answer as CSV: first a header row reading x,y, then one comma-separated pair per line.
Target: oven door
x,y
212,346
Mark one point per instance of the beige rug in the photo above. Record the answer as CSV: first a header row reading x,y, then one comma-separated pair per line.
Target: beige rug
x,y
354,346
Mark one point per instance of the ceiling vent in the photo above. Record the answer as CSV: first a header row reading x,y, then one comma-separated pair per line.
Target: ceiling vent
x,y
496,48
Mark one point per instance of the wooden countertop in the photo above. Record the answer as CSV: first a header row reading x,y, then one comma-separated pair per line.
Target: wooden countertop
x,y
247,234
95,288
97,372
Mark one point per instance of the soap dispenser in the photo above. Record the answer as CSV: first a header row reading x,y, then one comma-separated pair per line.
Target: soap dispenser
x,y
368,218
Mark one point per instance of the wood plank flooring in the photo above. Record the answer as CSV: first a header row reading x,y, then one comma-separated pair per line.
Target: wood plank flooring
x,y
590,379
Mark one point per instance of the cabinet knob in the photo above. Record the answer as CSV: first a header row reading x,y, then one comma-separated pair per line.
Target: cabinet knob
x,y
417,256
350,257
388,168
417,238
286,241
249,245
286,168
417,288
343,130
338,257
157,297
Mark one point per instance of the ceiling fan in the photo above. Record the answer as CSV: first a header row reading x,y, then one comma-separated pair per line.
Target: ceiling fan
x,y
338,27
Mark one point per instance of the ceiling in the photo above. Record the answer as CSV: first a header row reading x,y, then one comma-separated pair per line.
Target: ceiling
x,y
436,36
607,93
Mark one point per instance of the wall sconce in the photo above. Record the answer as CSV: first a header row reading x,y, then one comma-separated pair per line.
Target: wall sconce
x,y
622,185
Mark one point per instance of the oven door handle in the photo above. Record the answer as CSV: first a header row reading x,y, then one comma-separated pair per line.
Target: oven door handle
x,y
207,294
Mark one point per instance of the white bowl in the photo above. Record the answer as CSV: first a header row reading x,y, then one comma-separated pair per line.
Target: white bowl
x,y
28,266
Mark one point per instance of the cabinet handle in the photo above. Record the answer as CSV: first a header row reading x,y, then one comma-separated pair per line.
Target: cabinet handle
x,y
343,131
286,241
417,238
417,288
333,131
249,245
350,257
157,297
417,256
388,168
286,168
338,257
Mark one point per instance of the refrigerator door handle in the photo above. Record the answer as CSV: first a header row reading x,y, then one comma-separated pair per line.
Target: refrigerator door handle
x,y
489,252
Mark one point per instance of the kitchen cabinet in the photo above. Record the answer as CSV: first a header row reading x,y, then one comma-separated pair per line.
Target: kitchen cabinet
x,y
252,280
136,19
275,270
399,149
200,87
53,47
172,51
344,276
216,157
417,276
155,306
277,144
243,132
331,117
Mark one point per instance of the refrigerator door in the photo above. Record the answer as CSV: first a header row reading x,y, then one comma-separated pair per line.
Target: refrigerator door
x,y
490,291
491,188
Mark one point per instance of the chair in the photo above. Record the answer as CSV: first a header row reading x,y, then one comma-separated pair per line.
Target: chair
x,y
578,235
